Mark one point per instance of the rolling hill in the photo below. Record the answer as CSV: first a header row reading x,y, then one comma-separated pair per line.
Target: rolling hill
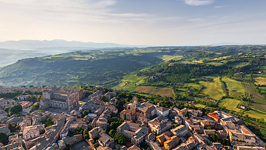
x,y
12,51
209,75
82,67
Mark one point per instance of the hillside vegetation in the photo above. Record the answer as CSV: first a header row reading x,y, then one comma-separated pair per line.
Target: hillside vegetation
x,y
227,77
221,77
77,68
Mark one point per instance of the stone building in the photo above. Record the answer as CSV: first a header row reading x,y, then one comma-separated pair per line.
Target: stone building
x,y
129,114
26,122
5,130
95,132
31,132
60,98
180,131
106,141
133,132
109,95
159,124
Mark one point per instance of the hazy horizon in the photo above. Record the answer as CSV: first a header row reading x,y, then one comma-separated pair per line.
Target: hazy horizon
x,y
150,22
126,45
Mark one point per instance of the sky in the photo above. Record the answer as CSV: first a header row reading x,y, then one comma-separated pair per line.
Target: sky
x,y
136,22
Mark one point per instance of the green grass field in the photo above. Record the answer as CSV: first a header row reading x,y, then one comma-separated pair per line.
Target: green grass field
x,y
213,89
198,61
130,82
215,63
193,86
264,67
230,104
234,87
262,88
255,114
186,62
170,57
240,64
200,105
220,58
258,101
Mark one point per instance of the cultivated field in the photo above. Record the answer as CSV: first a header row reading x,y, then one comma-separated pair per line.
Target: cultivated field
x,y
130,82
157,91
145,89
215,63
200,105
240,64
254,114
170,57
198,61
230,104
220,58
260,81
193,86
164,92
234,87
258,101
213,89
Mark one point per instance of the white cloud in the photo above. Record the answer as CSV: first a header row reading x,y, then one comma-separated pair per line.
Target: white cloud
x,y
67,10
112,21
198,2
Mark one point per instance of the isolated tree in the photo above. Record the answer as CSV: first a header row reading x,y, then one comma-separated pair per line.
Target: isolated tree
x,y
39,98
10,127
103,98
85,113
3,138
6,109
215,137
120,139
48,122
85,134
187,114
115,124
112,132
15,109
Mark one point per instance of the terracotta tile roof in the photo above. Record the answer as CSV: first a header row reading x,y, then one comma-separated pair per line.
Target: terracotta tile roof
x,y
245,130
214,116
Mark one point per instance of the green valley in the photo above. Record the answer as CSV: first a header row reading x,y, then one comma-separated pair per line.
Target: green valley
x,y
224,77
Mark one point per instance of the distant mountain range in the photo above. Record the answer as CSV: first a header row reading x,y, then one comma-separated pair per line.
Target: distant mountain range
x,y
12,51
36,44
